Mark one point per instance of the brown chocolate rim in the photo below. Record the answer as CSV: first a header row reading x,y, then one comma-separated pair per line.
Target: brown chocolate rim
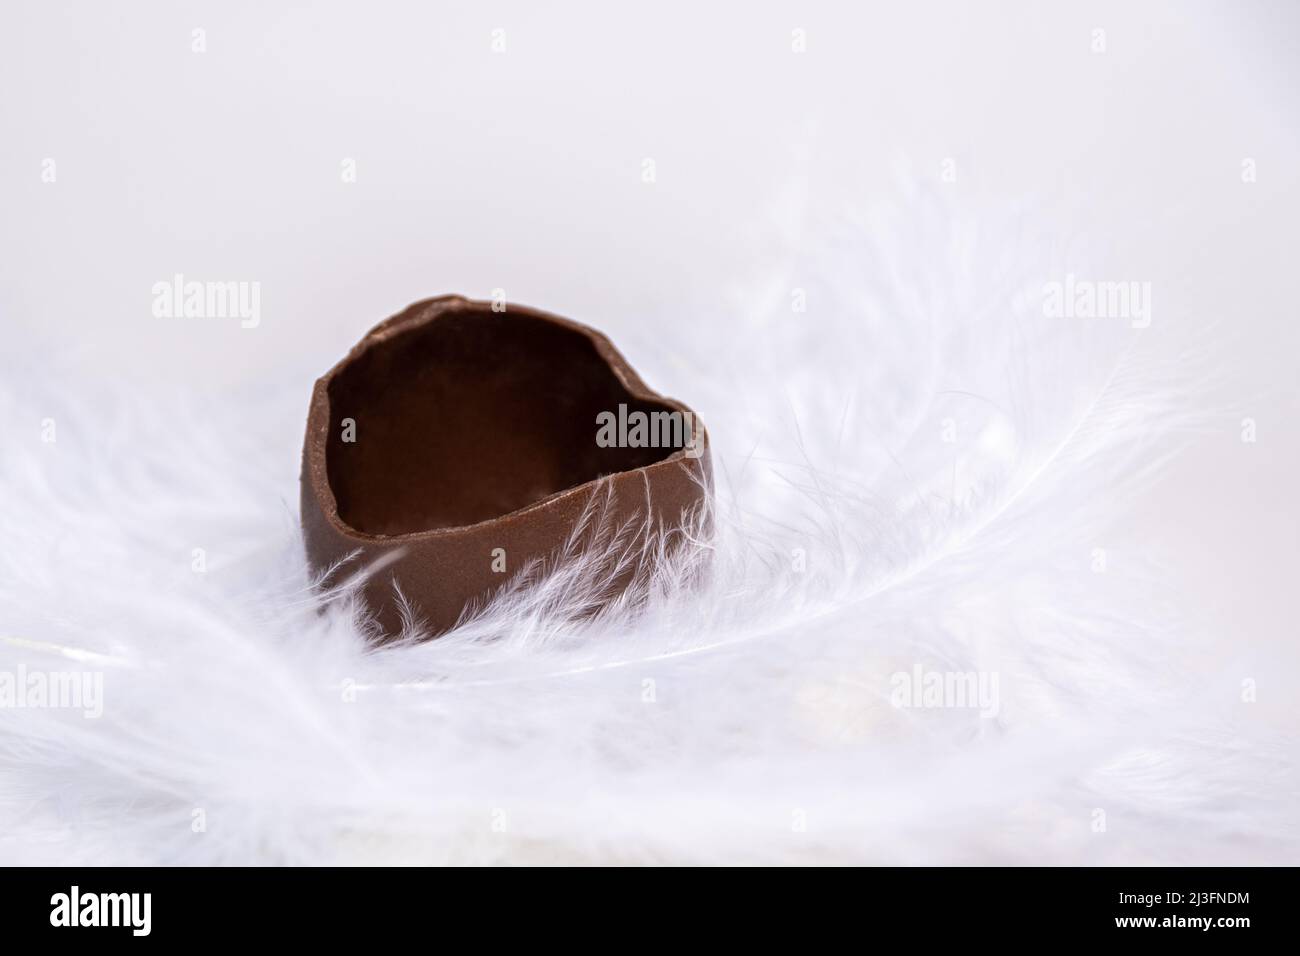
x,y
422,313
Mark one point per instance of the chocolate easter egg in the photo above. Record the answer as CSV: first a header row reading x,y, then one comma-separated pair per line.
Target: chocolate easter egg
x,y
460,442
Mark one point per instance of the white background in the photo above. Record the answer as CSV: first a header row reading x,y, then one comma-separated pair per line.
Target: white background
x,y
522,170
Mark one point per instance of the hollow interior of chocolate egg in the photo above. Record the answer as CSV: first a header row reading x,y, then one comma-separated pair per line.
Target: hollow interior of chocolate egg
x,y
469,417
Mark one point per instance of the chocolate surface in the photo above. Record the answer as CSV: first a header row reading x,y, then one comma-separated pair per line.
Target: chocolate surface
x,y
460,443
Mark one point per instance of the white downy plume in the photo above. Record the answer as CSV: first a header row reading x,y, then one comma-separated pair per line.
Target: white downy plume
x,y
913,474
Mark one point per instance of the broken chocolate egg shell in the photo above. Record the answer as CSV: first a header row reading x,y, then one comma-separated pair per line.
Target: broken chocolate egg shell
x,y
456,445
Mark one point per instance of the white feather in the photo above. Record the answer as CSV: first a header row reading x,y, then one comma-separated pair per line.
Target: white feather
x,y
916,471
